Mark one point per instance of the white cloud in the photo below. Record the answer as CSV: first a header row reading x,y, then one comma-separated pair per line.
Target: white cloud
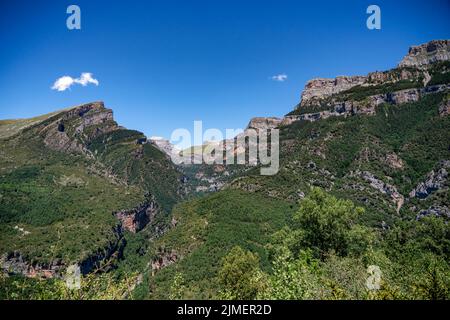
x,y
63,83
86,78
280,77
66,82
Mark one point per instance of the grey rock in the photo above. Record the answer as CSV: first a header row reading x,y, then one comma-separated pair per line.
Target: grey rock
x,y
384,188
424,54
434,181
320,88
264,123
437,211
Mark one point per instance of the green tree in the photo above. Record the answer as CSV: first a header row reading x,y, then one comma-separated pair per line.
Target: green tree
x,y
93,287
328,223
293,279
240,277
434,281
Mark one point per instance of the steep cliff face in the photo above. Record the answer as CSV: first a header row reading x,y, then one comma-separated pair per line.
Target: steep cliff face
x,y
415,67
137,218
425,54
418,74
261,123
14,263
321,88
435,180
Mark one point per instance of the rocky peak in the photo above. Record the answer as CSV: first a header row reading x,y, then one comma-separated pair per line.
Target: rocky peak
x,y
70,129
427,53
85,108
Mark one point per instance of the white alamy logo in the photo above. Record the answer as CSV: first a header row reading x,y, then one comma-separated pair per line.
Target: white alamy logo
x,y
74,20
250,147
374,280
73,277
374,20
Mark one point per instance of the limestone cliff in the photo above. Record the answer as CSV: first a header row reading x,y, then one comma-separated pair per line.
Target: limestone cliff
x,y
69,131
427,53
261,123
320,88
412,66
137,218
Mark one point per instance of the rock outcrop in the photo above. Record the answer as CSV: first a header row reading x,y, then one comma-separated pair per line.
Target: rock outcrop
x,y
393,161
435,180
163,259
384,188
137,218
321,88
261,123
70,130
368,105
103,260
424,54
60,141
15,263
436,211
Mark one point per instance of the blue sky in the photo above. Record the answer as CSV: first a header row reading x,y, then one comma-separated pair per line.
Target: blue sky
x,y
163,64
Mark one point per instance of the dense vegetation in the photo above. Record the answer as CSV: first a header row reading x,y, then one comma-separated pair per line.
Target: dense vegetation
x,y
336,222
327,255
329,154
440,73
141,165
57,207
64,210
206,229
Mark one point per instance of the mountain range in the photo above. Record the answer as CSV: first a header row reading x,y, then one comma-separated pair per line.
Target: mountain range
x,y
79,189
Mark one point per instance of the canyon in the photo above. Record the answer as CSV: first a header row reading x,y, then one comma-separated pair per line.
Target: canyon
x,y
379,140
